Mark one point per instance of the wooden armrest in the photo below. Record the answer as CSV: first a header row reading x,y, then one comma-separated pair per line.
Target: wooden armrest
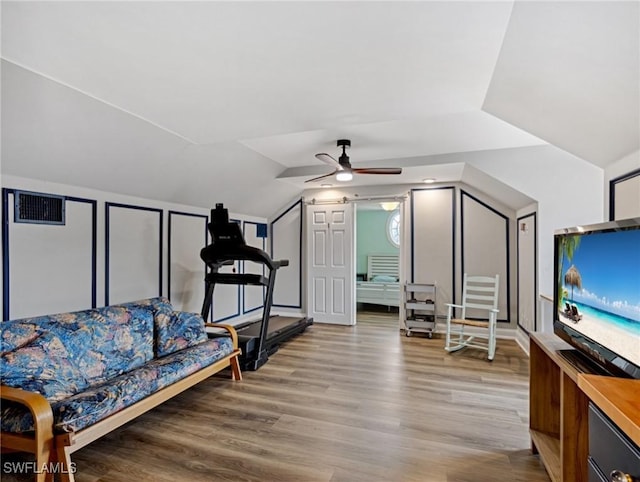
x,y
229,328
451,305
37,405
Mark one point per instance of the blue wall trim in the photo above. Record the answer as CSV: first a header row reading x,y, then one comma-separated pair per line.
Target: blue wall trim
x,y
206,241
464,193
5,248
612,191
453,233
288,210
109,205
5,254
244,293
533,215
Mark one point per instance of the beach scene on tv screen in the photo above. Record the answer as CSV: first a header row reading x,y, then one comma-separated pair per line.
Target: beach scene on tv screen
x,y
600,283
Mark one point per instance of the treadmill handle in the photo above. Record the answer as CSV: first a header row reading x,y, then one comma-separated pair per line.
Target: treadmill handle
x,y
282,262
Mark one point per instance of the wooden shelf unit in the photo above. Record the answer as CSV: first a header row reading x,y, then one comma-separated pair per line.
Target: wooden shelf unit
x,y
618,398
558,411
559,396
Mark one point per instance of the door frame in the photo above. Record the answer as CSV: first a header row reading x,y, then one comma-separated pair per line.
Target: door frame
x,y
404,248
348,293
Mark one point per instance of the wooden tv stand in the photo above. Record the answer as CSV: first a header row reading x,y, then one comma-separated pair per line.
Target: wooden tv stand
x,y
559,396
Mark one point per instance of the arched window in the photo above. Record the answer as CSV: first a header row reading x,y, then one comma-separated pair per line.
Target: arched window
x,y
393,228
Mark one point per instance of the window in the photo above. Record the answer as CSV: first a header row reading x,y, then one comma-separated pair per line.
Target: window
x,y
393,228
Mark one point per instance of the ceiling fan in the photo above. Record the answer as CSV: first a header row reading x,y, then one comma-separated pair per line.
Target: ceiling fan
x,y
344,171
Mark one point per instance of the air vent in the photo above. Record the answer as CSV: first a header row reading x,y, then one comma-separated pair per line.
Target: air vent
x,y
35,208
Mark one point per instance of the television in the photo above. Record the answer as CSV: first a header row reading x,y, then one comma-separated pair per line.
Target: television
x,y
597,296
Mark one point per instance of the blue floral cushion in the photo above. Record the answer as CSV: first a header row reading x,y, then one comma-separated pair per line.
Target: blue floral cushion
x,y
182,330
174,330
45,365
75,350
17,333
100,401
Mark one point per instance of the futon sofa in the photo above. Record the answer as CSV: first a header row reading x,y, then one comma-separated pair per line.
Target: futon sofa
x,y
68,379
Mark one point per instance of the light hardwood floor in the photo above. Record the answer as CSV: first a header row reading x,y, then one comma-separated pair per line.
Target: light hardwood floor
x,y
361,403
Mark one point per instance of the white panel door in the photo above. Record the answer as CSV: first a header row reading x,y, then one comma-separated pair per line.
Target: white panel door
x,y
330,266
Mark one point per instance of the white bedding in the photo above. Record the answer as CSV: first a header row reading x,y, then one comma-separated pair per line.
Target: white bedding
x,y
378,293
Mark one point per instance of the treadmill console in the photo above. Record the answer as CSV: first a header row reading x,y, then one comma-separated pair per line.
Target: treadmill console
x,y
222,231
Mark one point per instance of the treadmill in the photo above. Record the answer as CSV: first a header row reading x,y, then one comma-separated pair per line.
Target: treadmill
x,y
257,339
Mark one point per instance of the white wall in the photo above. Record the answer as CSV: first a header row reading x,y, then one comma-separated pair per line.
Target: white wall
x,y
252,296
488,247
134,245
187,235
286,243
49,267
62,260
526,257
431,239
626,191
569,192
621,167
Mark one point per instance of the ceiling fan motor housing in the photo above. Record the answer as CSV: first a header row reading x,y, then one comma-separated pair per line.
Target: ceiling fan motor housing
x,y
344,159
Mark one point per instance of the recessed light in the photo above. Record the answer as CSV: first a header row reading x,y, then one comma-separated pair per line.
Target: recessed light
x,y
326,185
429,180
389,206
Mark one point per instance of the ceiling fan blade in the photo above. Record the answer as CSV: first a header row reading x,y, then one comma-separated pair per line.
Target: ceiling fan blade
x,y
321,177
377,170
327,159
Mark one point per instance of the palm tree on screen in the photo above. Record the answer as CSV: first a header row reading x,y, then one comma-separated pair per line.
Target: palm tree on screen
x,y
568,246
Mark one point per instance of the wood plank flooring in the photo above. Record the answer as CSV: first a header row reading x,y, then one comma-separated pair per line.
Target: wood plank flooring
x,y
361,403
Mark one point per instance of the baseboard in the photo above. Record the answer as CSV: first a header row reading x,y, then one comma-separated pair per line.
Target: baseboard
x,y
522,339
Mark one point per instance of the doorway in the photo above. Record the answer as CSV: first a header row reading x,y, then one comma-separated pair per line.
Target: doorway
x,y
378,228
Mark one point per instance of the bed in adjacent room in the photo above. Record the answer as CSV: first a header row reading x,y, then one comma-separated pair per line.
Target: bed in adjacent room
x,y
382,286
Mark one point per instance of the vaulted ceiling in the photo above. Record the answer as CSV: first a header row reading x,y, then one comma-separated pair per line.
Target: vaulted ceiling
x,y
204,102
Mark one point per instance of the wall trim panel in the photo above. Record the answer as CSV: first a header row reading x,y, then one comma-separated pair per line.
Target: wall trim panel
x,y
299,204
246,310
453,233
612,190
169,244
6,312
238,292
533,215
108,206
464,194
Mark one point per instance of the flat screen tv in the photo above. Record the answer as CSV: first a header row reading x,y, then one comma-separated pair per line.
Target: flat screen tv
x,y
597,296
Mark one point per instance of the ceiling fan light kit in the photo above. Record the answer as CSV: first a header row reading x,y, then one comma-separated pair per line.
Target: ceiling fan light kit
x,y
343,170
344,176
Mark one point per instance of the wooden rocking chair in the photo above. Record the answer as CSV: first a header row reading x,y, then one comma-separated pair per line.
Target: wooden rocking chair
x,y
479,293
